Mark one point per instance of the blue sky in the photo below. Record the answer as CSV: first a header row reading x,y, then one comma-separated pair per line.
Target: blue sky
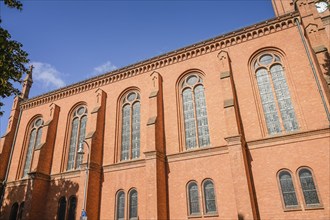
x,y
69,41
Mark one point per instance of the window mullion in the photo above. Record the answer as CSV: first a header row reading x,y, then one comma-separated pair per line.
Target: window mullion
x,y
195,117
275,99
77,143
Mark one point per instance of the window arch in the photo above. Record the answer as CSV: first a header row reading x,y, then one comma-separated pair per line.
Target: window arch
x,y
34,140
130,126
209,197
308,187
194,111
61,211
13,211
274,93
288,191
120,204
133,204
72,208
193,198
77,135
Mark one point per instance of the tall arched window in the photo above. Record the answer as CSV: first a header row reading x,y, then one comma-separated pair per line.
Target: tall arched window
x,y
209,197
77,135
33,141
72,208
61,211
130,124
133,204
194,112
193,199
308,187
20,211
287,190
274,93
120,213
13,211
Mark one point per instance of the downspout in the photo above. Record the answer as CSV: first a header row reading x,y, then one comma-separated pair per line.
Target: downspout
x,y
313,69
4,183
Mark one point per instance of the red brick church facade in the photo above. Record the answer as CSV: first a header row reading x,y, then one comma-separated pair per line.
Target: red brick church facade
x,y
235,127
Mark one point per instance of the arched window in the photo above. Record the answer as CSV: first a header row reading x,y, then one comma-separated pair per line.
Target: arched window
x,y
133,204
130,124
72,208
287,190
274,93
13,211
194,112
193,199
209,197
78,130
120,213
20,211
33,141
61,211
308,187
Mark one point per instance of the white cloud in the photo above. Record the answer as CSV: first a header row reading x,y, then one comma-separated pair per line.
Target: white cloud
x,y
106,67
47,75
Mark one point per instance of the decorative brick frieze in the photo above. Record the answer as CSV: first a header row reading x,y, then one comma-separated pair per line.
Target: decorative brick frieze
x,y
204,47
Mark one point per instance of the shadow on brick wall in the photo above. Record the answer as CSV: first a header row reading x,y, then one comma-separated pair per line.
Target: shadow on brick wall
x,y
30,199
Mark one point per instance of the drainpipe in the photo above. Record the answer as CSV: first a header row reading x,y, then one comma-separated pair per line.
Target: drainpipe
x,y
313,69
10,158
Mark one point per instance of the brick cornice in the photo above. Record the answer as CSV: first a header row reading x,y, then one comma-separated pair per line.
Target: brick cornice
x,y
195,50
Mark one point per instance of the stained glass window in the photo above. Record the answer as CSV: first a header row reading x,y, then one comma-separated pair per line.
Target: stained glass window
x,y
274,93
133,204
77,135
120,205
33,141
130,131
288,191
209,197
193,199
61,209
194,112
308,187
72,208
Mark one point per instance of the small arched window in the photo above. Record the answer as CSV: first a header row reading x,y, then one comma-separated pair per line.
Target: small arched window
x,y
33,141
209,197
287,190
120,213
77,135
61,211
274,94
196,127
72,208
133,204
13,211
193,199
130,124
308,187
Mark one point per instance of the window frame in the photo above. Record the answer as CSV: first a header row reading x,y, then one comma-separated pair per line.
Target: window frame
x,y
73,115
312,206
260,108
69,207
285,208
14,211
59,206
199,214
122,102
117,205
215,213
31,127
129,204
182,128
